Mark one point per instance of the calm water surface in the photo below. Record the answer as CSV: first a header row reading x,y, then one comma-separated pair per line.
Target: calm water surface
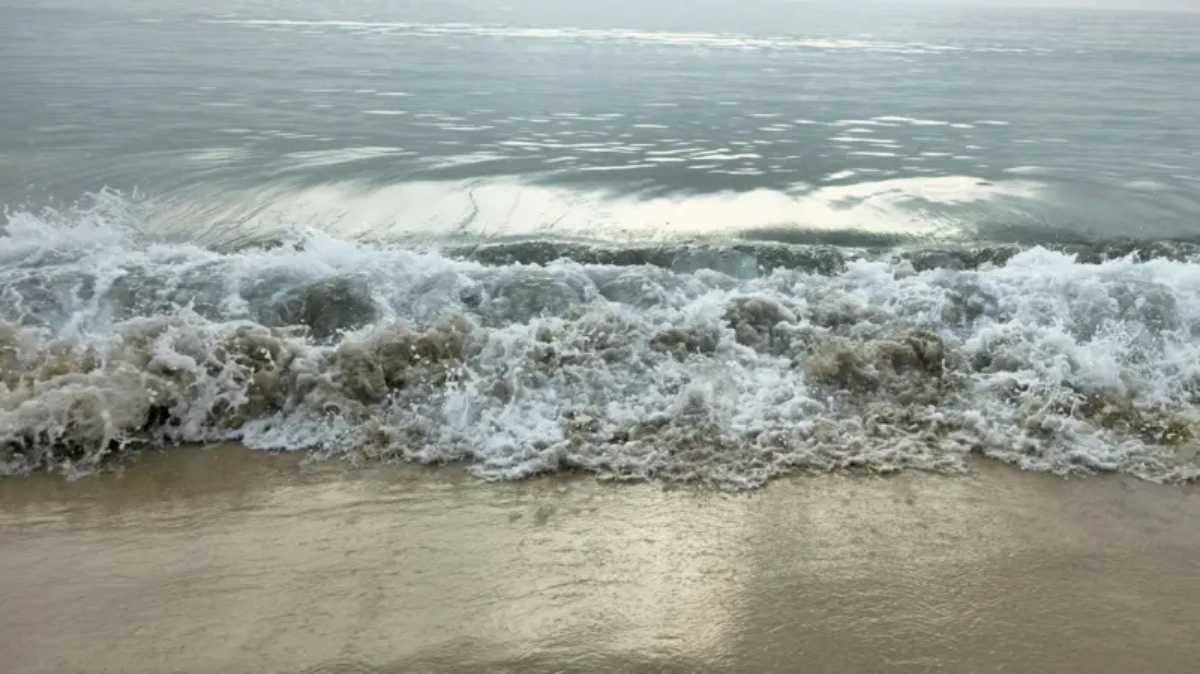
x,y
407,118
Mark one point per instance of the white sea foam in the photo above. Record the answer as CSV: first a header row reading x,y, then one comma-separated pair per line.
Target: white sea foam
x,y
707,365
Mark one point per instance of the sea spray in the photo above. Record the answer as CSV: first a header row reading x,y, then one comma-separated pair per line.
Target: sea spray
x,y
675,366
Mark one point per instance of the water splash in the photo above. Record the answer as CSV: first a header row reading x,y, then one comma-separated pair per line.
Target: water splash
x,y
729,364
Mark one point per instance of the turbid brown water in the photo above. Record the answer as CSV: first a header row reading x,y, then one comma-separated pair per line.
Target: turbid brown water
x,y
224,560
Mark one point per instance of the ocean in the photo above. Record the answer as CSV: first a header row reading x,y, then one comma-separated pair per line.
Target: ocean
x,y
701,242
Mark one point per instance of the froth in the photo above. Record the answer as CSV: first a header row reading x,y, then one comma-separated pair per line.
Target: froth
x,y
700,370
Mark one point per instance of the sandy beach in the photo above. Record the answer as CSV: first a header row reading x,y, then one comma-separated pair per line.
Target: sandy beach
x,y
226,560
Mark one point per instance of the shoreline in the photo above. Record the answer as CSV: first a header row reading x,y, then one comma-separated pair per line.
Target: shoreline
x,y
186,455
228,560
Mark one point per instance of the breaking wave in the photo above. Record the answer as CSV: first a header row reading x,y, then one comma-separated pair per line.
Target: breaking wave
x,y
729,364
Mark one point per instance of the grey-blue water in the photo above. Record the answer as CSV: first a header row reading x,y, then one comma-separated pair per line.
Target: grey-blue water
x,y
718,241
626,119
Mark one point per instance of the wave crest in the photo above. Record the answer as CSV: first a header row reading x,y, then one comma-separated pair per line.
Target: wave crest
x,y
698,363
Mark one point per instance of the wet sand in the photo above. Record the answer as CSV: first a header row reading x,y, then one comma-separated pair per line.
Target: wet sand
x,y
224,560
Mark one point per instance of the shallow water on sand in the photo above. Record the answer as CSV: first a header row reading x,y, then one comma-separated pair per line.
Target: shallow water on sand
x,y
225,560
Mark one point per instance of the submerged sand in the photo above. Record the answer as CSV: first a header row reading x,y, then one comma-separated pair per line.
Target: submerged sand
x,y
225,560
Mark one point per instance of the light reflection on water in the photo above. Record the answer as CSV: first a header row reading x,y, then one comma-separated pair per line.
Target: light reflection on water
x,y
227,560
258,101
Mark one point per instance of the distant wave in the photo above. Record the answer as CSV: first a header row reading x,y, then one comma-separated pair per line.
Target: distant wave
x,y
621,36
